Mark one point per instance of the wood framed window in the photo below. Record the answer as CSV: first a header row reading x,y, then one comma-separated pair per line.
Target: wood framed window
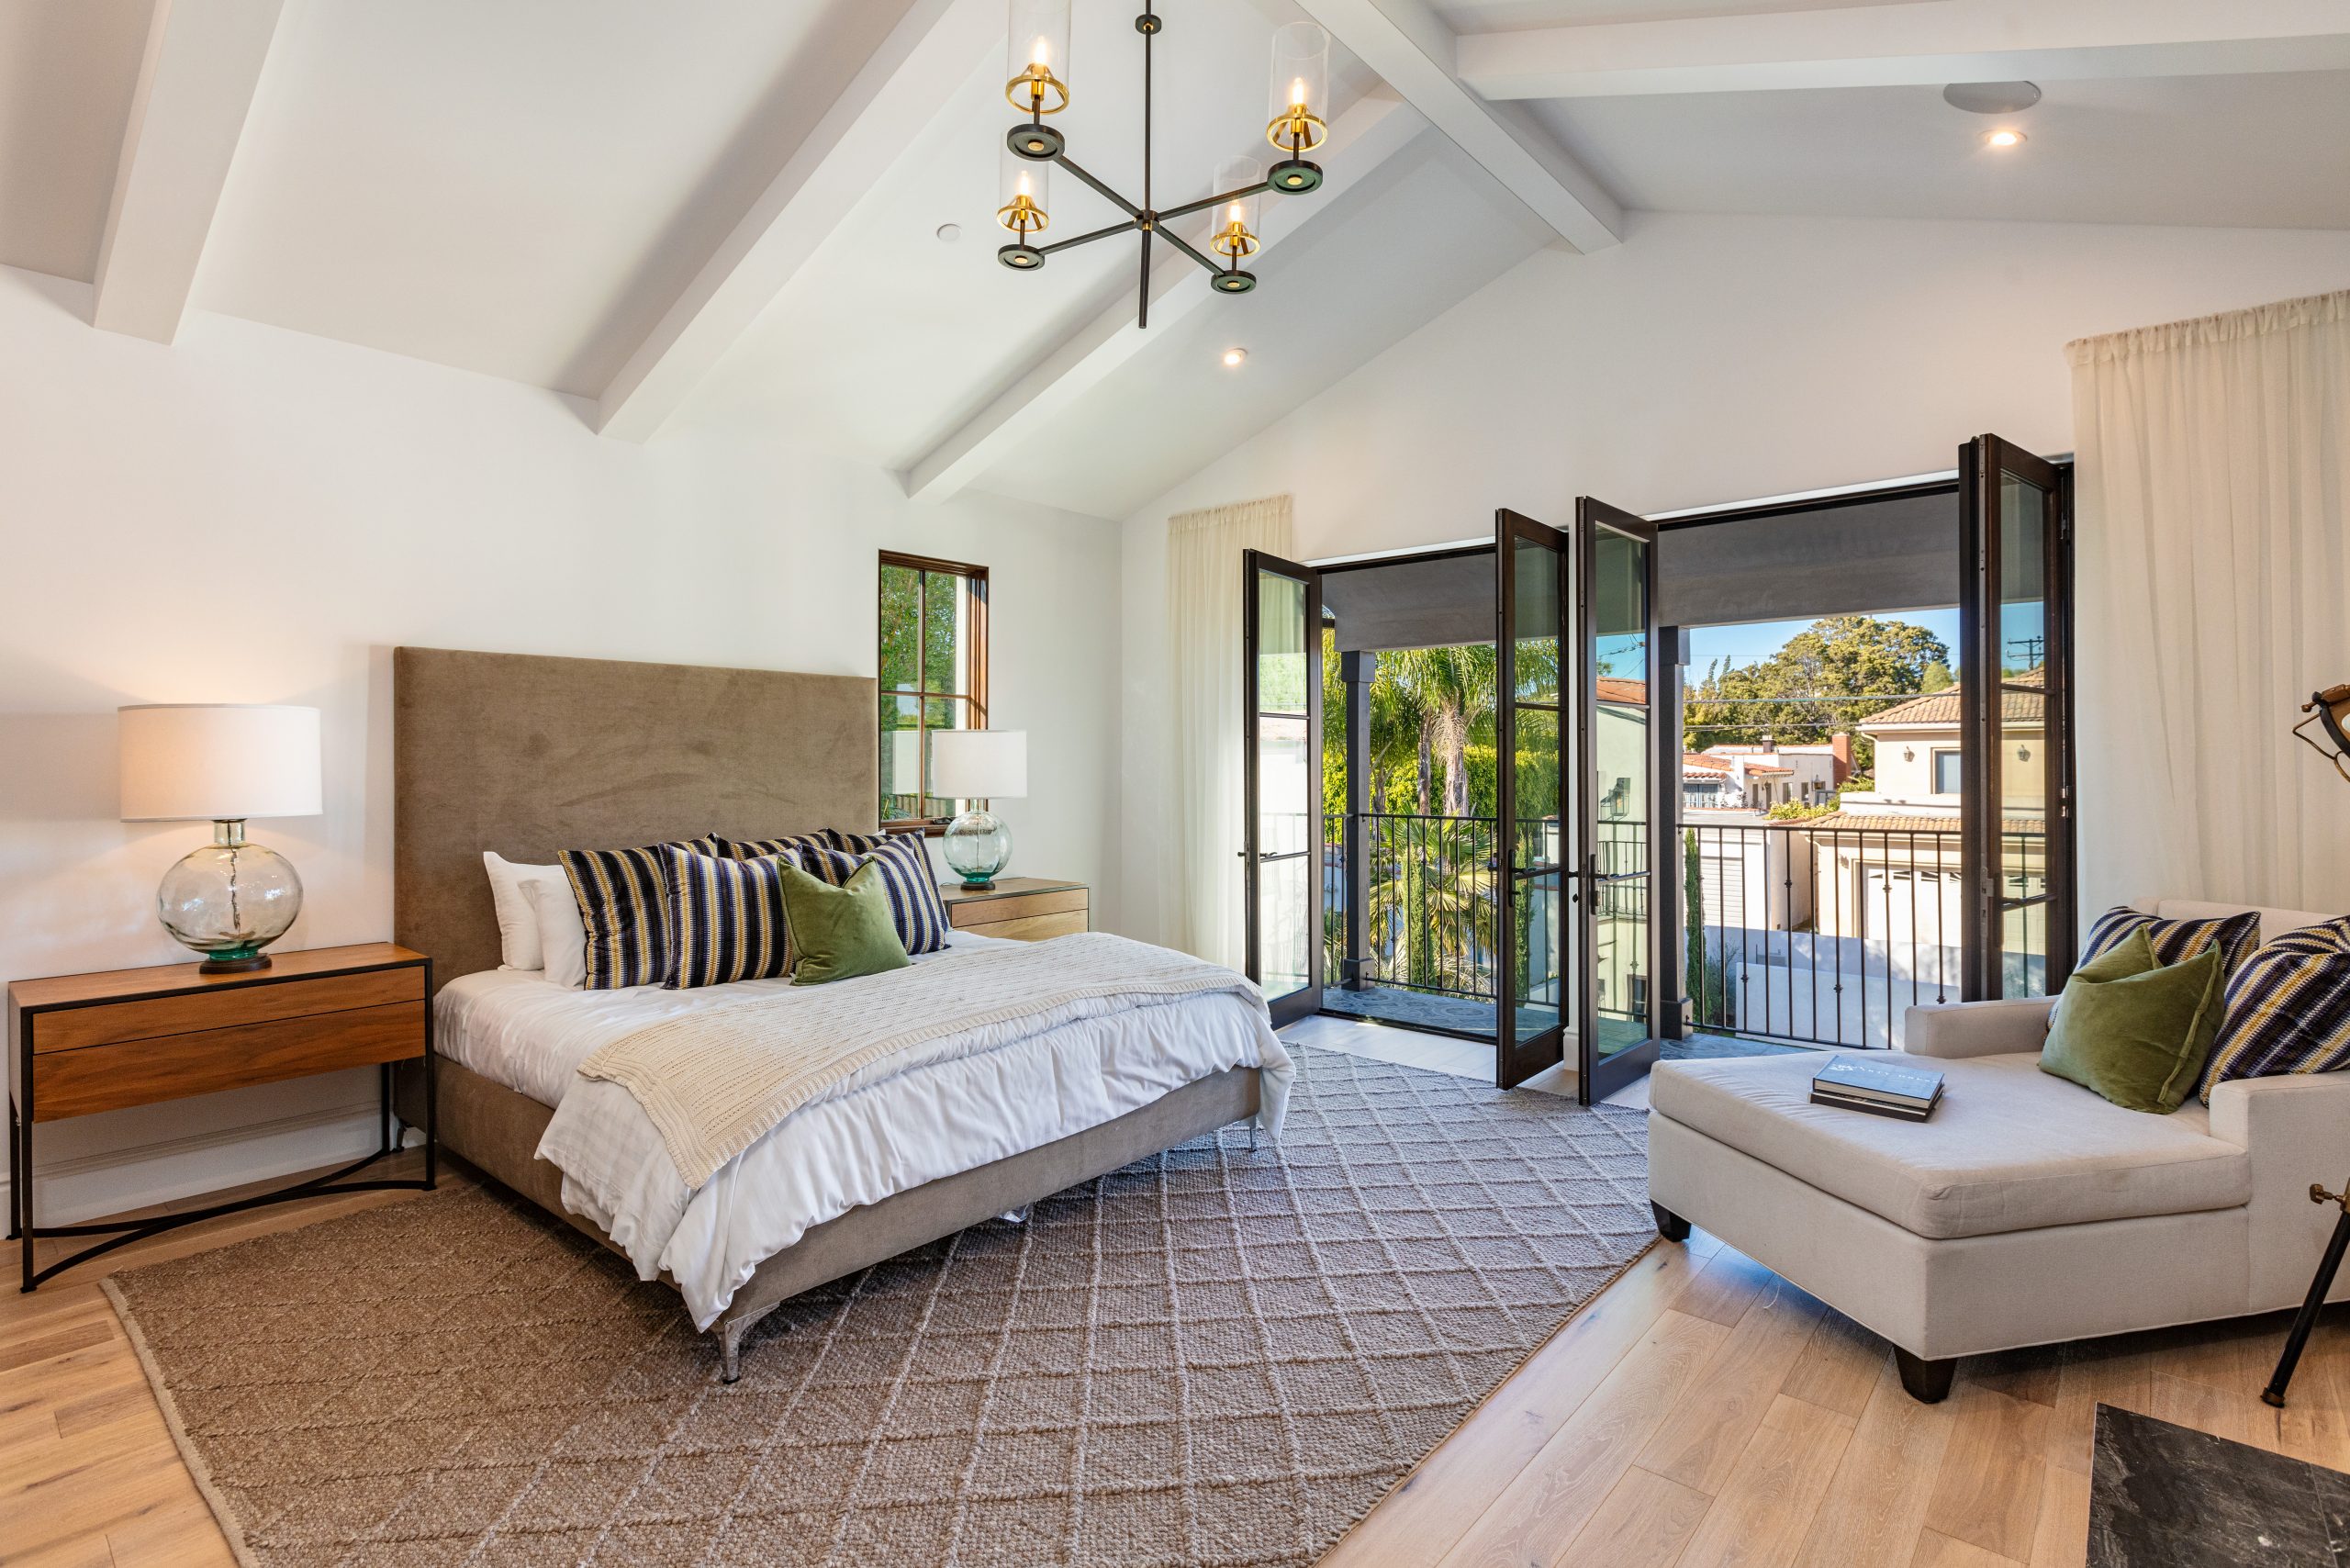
x,y
934,676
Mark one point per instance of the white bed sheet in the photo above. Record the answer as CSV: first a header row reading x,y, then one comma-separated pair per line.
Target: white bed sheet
x,y
522,1031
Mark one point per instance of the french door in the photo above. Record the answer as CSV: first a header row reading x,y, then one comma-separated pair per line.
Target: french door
x,y
1532,722
2015,712
1623,982
1282,762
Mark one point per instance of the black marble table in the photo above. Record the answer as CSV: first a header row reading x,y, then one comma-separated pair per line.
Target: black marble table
x,y
2166,1496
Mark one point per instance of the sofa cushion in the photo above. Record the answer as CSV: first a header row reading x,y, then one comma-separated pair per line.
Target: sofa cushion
x,y
2009,1148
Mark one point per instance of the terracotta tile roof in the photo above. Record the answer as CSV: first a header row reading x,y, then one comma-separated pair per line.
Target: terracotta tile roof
x,y
1614,689
1943,707
1698,762
1890,823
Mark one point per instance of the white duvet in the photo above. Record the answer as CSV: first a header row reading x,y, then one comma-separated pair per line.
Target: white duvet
x,y
826,1158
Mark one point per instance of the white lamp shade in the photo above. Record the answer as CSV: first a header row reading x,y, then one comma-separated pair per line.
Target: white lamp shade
x,y
967,765
221,762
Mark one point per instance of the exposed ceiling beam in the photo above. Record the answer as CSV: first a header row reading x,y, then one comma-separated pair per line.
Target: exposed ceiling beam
x,y
187,114
1918,41
1412,49
918,68
1361,140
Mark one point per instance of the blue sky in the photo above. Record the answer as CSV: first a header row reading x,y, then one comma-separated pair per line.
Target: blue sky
x,y
1756,640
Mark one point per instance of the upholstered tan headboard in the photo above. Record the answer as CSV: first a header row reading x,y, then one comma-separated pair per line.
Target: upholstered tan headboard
x,y
527,755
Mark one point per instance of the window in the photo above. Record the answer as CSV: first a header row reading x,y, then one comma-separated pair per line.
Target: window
x,y
1946,774
934,675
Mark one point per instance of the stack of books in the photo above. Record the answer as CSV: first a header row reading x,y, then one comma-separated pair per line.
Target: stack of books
x,y
1881,1089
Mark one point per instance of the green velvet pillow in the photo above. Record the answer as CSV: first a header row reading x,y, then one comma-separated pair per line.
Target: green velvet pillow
x,y
840,932
2137,1038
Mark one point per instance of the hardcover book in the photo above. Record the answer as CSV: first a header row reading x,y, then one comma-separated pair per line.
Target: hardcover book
x,y
1858,1079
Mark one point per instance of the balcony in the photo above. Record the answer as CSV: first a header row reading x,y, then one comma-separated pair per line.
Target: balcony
x,y
1811,934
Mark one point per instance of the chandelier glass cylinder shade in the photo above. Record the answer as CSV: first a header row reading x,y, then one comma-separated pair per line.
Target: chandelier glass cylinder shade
x,y
1025,210
1036,86
1036,57
1299,111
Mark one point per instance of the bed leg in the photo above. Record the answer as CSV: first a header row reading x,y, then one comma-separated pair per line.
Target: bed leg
x,y
730,1341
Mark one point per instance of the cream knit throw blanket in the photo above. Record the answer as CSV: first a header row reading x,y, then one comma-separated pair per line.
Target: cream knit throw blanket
x,y
714,1082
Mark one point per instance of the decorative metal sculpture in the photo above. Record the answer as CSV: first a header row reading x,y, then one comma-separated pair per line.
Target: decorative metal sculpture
x,y
2330,712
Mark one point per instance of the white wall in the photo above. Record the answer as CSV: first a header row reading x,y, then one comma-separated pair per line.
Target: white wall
x,y
257,515
1704,360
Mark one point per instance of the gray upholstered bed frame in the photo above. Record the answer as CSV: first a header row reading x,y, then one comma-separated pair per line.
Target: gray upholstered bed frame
x,y
527,755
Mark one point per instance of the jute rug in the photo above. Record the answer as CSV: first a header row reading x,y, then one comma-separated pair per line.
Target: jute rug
x,y
1213,1356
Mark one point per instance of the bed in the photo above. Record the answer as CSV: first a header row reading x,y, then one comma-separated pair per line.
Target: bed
x,y
525,756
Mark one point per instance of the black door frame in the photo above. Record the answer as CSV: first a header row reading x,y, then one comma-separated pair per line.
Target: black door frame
x,y
1515,1060
1306,1001
1594,1079
1981,462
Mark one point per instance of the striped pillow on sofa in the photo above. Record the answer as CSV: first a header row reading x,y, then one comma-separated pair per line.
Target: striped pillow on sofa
x,y
2175,941
726,920
914,904
2289,1009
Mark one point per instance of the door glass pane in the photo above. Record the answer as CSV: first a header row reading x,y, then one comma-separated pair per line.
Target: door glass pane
x,y
1281,644
1286,862
1536,623
1538,847
1620,782
2022,641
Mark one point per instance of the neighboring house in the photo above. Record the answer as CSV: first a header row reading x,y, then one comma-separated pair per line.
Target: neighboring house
x,y
1760,777
1888,862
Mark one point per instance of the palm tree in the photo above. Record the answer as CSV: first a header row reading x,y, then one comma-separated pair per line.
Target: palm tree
x,y
1452,689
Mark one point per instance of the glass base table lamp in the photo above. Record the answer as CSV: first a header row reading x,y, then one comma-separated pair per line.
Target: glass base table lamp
x,y
223,763
975,766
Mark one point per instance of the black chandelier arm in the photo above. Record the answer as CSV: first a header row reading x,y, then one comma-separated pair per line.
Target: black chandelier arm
x,y
1204,203
1128,227
1122,205
1187,249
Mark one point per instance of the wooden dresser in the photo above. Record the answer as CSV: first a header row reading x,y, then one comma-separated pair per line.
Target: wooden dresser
x,y
82,1044
1026,909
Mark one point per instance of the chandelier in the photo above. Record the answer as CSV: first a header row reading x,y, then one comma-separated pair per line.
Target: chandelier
x,y
1038,86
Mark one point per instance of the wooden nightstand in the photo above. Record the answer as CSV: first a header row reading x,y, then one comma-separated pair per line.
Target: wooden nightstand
x,y
1026,909
100,1042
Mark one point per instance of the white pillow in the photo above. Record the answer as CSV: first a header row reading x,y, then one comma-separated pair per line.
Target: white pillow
x,y
562,935
517,925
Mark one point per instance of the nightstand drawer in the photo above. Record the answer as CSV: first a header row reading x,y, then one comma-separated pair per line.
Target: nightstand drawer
x,y
228,1007
971,915
141,1071
1032,928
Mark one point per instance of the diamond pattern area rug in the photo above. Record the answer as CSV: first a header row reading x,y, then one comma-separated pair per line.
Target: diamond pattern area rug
x,y
1218,1356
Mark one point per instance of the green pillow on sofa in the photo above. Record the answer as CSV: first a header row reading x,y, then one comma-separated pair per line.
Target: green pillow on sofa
x,y
2135,1031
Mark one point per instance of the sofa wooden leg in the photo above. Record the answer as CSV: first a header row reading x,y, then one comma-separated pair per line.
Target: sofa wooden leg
x,y
1670,1226
1928,1383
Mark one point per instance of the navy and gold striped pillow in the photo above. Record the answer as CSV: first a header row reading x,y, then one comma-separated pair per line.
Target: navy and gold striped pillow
x,y
757,848
2175,941
625,905
853,843
726,920
2289,1009
916,907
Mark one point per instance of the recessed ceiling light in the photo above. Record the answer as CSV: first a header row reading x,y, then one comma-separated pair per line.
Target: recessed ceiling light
x,y
2003,138
950,232
1991,98
1233,358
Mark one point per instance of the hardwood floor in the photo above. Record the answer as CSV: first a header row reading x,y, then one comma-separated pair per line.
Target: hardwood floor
x,y
1700,1412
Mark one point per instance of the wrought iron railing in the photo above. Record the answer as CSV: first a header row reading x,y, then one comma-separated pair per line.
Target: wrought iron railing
x,y
1827,934
1429,903
1816,933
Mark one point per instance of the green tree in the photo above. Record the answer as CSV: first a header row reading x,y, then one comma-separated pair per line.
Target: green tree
x,y
1827,677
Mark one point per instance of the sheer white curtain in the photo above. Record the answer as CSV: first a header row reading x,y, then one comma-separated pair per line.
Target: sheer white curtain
x,y
2213,559
1204,627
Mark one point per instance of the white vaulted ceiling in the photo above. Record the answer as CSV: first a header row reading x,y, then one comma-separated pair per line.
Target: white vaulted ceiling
x,y
726,213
